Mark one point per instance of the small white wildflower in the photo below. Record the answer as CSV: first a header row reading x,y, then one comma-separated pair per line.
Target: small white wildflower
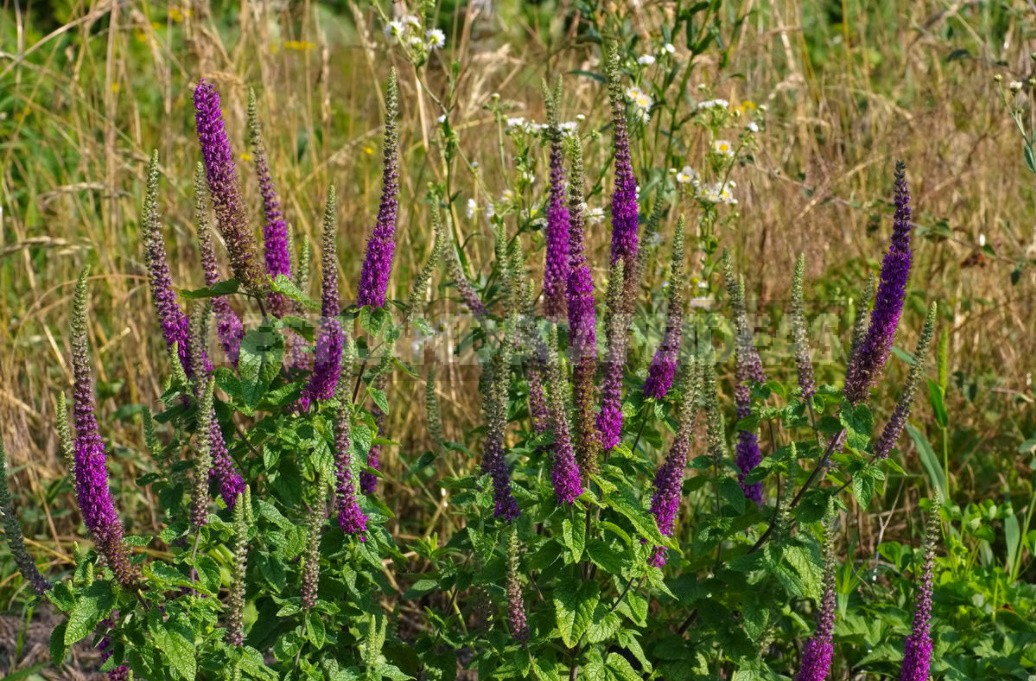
x,y
411,20
753,127
441,119
723,148
507,196
435,39
1015,85
714,104
394,29
490,211
703,284
763,108
981,240
569,127
669,48
472,208
416,42
580,117
686,175
593,215
646,60
632,92
516,122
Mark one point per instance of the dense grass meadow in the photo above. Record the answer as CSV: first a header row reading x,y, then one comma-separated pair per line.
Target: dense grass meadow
x,y
569,339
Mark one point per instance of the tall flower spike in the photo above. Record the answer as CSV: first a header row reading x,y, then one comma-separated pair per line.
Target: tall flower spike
x,y
494,401
800,333
624,197
377,266
564,471
863,307
894,428
748,370
870,357
534,368
311,561
223,186
351,517
636,271
91,473
170,317
228,325
419,288
68,450
431,407
516,617
22,560
275,230
368,480
236,601
663,365
917,654
582,320
715,428
665,502
819,650
327,363
609,420
203,456
217,457
556,266
460,282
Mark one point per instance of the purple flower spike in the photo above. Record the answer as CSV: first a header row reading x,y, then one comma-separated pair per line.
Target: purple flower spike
x,y
494,400
894,428
327,364
870,357
369,481
748,370
223,186
516,617
275,229
538,411
917,655
555,273
582,320
224,472
381,246
624,197
228,325
565,471
351,517
665,503
663,364
91,473
609,420
171,317
819,650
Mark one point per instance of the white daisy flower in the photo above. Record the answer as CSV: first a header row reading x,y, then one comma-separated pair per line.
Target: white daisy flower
x,y
723,148
753,127
713,104
471,209
645,60
686,175
593,215
669,48
394,29
435,39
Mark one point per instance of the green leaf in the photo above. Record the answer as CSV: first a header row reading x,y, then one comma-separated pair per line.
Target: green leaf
x,y
286,287
858,423
604,556
177,647
574,607
1030,158
94,605
573,535
620,668
57,644
262,351
936,475
605,626
643,522
220,288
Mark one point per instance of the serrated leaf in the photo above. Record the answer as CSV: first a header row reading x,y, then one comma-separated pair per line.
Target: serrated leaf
x,y
57,644
286,287
94,605
177,647
620,668
858,423
573,535
220,288
262,351
574,607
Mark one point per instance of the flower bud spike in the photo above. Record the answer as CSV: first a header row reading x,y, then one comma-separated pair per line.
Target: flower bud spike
x,y
22,560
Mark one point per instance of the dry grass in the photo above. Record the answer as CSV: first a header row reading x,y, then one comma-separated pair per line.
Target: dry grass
x,y
87,102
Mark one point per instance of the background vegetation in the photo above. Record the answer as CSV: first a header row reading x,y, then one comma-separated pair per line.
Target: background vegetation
x,y
88,89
